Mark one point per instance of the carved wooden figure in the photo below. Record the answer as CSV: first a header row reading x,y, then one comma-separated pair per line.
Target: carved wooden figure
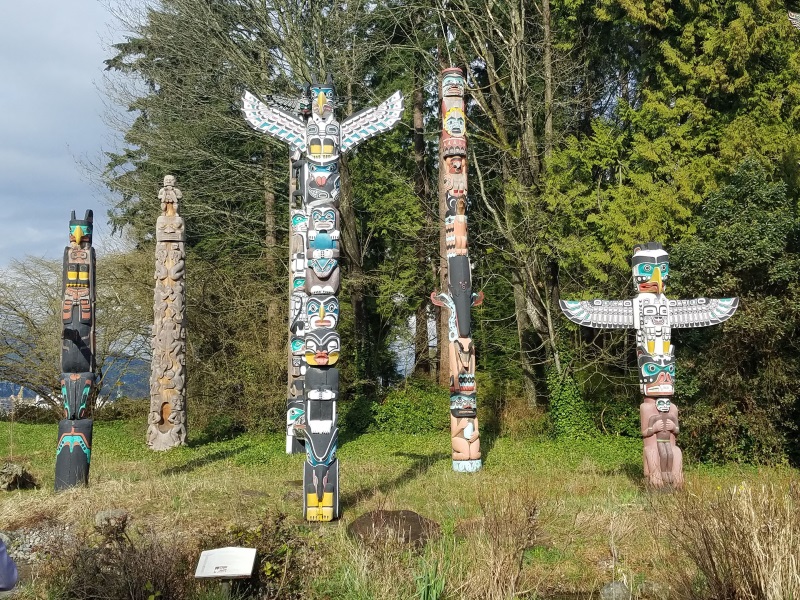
x,y
459,299
316,141
78,364
653,316
167,420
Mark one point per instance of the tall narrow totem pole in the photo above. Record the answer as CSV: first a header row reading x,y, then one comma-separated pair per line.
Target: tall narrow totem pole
x,y
78,366
316,140
460,298
167,420
653,316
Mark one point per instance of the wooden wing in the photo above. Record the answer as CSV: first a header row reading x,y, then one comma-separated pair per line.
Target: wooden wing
x,y
600,314
701,312
371,121
273,121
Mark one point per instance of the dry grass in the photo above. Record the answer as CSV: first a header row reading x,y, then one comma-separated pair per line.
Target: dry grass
x,y
743,541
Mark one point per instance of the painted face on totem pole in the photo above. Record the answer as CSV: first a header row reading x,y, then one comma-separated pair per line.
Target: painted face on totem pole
x,y
80,230
455,123
322,347
322,312
650,265
663,404
323,182
324,218
657,375
453,83
323,97
299,221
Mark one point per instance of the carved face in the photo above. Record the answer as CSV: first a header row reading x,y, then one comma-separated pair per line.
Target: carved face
x,y
324,218
662,405
322,312
657,375
80,232
322,99
299,221
322,384
650,265
455,122
169,180
453,82
323,140
298,345
322,347
323,182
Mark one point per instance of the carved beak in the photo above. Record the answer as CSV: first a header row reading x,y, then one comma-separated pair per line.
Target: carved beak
x,y
656,278
78,235
321,100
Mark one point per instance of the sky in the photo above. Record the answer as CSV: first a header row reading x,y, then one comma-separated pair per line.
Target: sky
x,y
51,122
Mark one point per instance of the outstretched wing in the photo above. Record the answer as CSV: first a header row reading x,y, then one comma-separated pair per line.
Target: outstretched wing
x,y
601,314
371,121
273,121
701,312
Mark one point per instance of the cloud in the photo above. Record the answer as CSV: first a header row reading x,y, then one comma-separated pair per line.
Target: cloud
x,y
51,56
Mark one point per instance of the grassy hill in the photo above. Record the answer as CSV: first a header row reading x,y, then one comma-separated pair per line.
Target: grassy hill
x,y
542,518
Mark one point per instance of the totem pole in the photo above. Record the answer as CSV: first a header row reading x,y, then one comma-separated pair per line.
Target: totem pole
x,y
316,140
653,316
167,419
453,194
78,378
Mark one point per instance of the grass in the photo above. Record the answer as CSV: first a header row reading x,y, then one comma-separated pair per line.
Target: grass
x,y
542,518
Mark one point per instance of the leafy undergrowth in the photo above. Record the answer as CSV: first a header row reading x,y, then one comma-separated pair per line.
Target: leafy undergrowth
x,y
543,517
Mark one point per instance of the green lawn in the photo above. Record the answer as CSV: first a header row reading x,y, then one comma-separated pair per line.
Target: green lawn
x,y
543,517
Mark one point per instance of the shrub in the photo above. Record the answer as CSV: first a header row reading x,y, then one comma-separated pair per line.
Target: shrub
x,y
418,406
744,542
568,412
286,556
123,409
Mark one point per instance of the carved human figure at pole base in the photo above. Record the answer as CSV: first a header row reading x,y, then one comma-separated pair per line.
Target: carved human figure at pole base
x,y
78,359
653,316
167,419
316,140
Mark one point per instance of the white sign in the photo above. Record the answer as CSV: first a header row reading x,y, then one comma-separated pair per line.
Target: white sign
x,y
226,563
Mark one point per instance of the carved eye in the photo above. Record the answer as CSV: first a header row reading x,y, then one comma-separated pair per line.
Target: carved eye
x,y
647,268
332,307
332,129
312,307
329,215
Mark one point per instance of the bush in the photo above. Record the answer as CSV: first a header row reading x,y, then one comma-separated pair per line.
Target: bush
x,y
153,567
744,542
286,556
568,412
418,406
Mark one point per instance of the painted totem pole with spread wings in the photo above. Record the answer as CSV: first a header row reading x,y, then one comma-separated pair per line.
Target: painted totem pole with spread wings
x,y
464,432
78,366
317,140
653,316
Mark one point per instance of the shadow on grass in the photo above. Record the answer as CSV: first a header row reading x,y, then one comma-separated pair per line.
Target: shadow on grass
x,y
204,460
631,470
420,465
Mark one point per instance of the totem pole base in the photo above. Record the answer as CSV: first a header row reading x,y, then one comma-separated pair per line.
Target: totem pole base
x,y
73,453
166,440
467,466
325,508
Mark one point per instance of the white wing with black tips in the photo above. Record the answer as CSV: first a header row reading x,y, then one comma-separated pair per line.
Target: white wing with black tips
x,y
605,314
701,312
273,121
371,121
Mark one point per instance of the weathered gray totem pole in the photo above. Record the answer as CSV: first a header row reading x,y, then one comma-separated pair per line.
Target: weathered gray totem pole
x,y
316,140
460,298
78,366
653,316
167,420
